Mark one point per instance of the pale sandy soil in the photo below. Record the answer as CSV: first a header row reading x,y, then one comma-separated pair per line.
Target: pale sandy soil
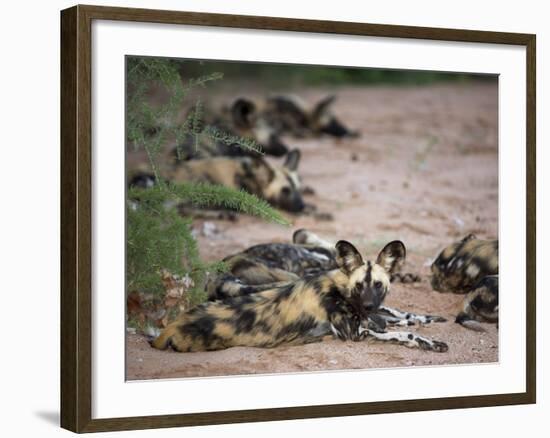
x,y
425,171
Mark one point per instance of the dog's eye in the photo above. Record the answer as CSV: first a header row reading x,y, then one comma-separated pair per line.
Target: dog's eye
x,y
285,191
378,285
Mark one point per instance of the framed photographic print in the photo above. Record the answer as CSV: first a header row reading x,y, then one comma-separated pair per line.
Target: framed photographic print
x,y
268,218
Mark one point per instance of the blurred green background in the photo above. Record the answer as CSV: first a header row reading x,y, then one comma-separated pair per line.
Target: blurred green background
x,y
290,75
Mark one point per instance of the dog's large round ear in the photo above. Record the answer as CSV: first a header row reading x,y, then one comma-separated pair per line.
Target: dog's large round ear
x,y
392,256
242,111
292,160
300,236
322,107
258,170
348,258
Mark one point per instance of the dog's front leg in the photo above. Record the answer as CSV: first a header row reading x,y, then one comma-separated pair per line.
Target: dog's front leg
x,y
400,318
408,339
347,327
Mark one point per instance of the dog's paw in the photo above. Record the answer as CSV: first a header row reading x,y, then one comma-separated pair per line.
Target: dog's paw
x,y
440,347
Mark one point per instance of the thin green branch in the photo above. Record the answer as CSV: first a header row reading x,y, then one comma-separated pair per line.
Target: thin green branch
x,y
233,140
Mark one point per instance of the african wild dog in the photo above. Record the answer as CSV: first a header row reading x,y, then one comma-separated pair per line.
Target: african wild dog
x,y
280,186
462,264
470,266
298,312
289,114
247,121
240,119
265,121
269,265
275,262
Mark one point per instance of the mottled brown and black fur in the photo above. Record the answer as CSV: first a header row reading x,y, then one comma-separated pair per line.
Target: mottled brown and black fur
x,y
279,262
338,301
480,305
470,266
279,185
291,115
299,312
247,120
240,119
264,122
269,265
461,265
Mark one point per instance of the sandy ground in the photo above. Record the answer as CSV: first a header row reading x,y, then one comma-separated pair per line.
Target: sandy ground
x,y
425,170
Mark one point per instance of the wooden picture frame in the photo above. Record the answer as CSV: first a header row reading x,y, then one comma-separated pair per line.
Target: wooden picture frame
x,y
76,217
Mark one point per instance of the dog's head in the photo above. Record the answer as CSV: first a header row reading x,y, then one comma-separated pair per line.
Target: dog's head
x,y
369,282
279,185
249,122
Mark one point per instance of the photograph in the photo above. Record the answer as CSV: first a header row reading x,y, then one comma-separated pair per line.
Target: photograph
x,y
290,218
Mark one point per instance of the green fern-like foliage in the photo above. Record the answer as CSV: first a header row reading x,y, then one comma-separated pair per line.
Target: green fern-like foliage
x,y
157,236
208,195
